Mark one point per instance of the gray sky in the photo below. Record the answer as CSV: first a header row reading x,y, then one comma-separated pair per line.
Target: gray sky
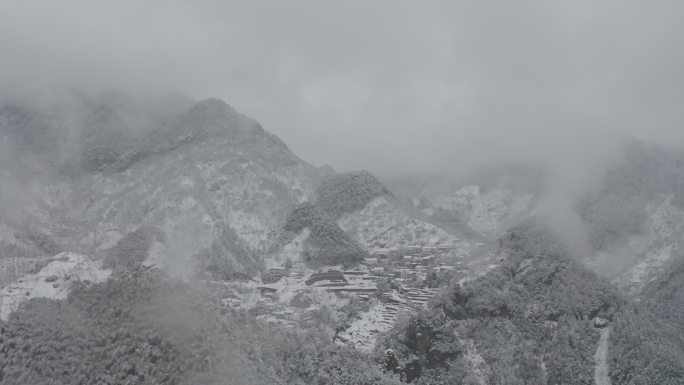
x,y
386,85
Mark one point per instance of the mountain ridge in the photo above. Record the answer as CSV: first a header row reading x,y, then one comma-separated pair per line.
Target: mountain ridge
x,y
205,168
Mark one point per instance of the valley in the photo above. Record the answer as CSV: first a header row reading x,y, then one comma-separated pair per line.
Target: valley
x,y
466,278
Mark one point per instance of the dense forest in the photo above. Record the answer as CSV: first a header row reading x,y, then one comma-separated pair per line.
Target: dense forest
x,y
536,319
143,327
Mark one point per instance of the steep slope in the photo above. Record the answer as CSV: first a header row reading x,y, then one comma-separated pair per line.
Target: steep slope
x,y
384,225
312,225
222,193
535,319
636,219
325,243
145,328
665,296
359,215
632,215
483,203
373,216
210,179
347,193
52,281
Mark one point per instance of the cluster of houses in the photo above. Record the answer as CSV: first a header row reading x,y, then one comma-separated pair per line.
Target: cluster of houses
x,y
408,271
414,266
274,274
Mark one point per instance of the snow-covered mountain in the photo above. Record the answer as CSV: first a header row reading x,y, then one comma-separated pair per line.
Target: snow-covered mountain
x,y
222,194
354,212
636,220
633,215
543,311
114,188
482,204
52,281
210,179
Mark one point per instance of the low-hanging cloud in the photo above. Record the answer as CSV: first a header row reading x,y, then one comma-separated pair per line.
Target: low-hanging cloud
x,y
390,86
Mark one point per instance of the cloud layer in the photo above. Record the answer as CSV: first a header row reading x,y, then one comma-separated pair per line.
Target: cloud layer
x,y
390,86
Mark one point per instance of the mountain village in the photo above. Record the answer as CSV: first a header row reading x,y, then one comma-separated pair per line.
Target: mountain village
x,y
361,302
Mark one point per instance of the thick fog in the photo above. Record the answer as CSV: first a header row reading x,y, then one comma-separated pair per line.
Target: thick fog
x,y
390,86
147,237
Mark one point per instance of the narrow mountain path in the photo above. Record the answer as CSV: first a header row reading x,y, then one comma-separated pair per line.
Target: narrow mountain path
x,y
601,376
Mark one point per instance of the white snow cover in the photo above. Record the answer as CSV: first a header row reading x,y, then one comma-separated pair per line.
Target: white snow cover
x,y
646,254
293,250
487,212
657,259
52,281
363,332
660,244
381,225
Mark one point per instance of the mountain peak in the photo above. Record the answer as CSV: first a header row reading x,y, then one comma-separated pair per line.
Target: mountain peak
x,y
213,106
348,192
211,114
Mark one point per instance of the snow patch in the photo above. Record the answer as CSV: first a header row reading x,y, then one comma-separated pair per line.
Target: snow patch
x,y
640,273
294,250
486,212
52,281
381,225
363,332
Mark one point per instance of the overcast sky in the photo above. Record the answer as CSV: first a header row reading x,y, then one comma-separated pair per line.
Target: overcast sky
x,y
391,86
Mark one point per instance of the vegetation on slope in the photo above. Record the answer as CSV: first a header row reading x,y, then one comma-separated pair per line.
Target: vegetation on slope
x,y
531,321
665,295
347,192
328,244
649,173
648,342
645,348
214,261
132,249
144,328
40,240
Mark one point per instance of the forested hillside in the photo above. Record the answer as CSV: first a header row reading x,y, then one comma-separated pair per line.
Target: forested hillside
x,y
327,243
535,319
144,328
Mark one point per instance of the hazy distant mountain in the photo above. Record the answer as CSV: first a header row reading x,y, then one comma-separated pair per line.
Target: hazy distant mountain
x,y
632,216
484,203
635,220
